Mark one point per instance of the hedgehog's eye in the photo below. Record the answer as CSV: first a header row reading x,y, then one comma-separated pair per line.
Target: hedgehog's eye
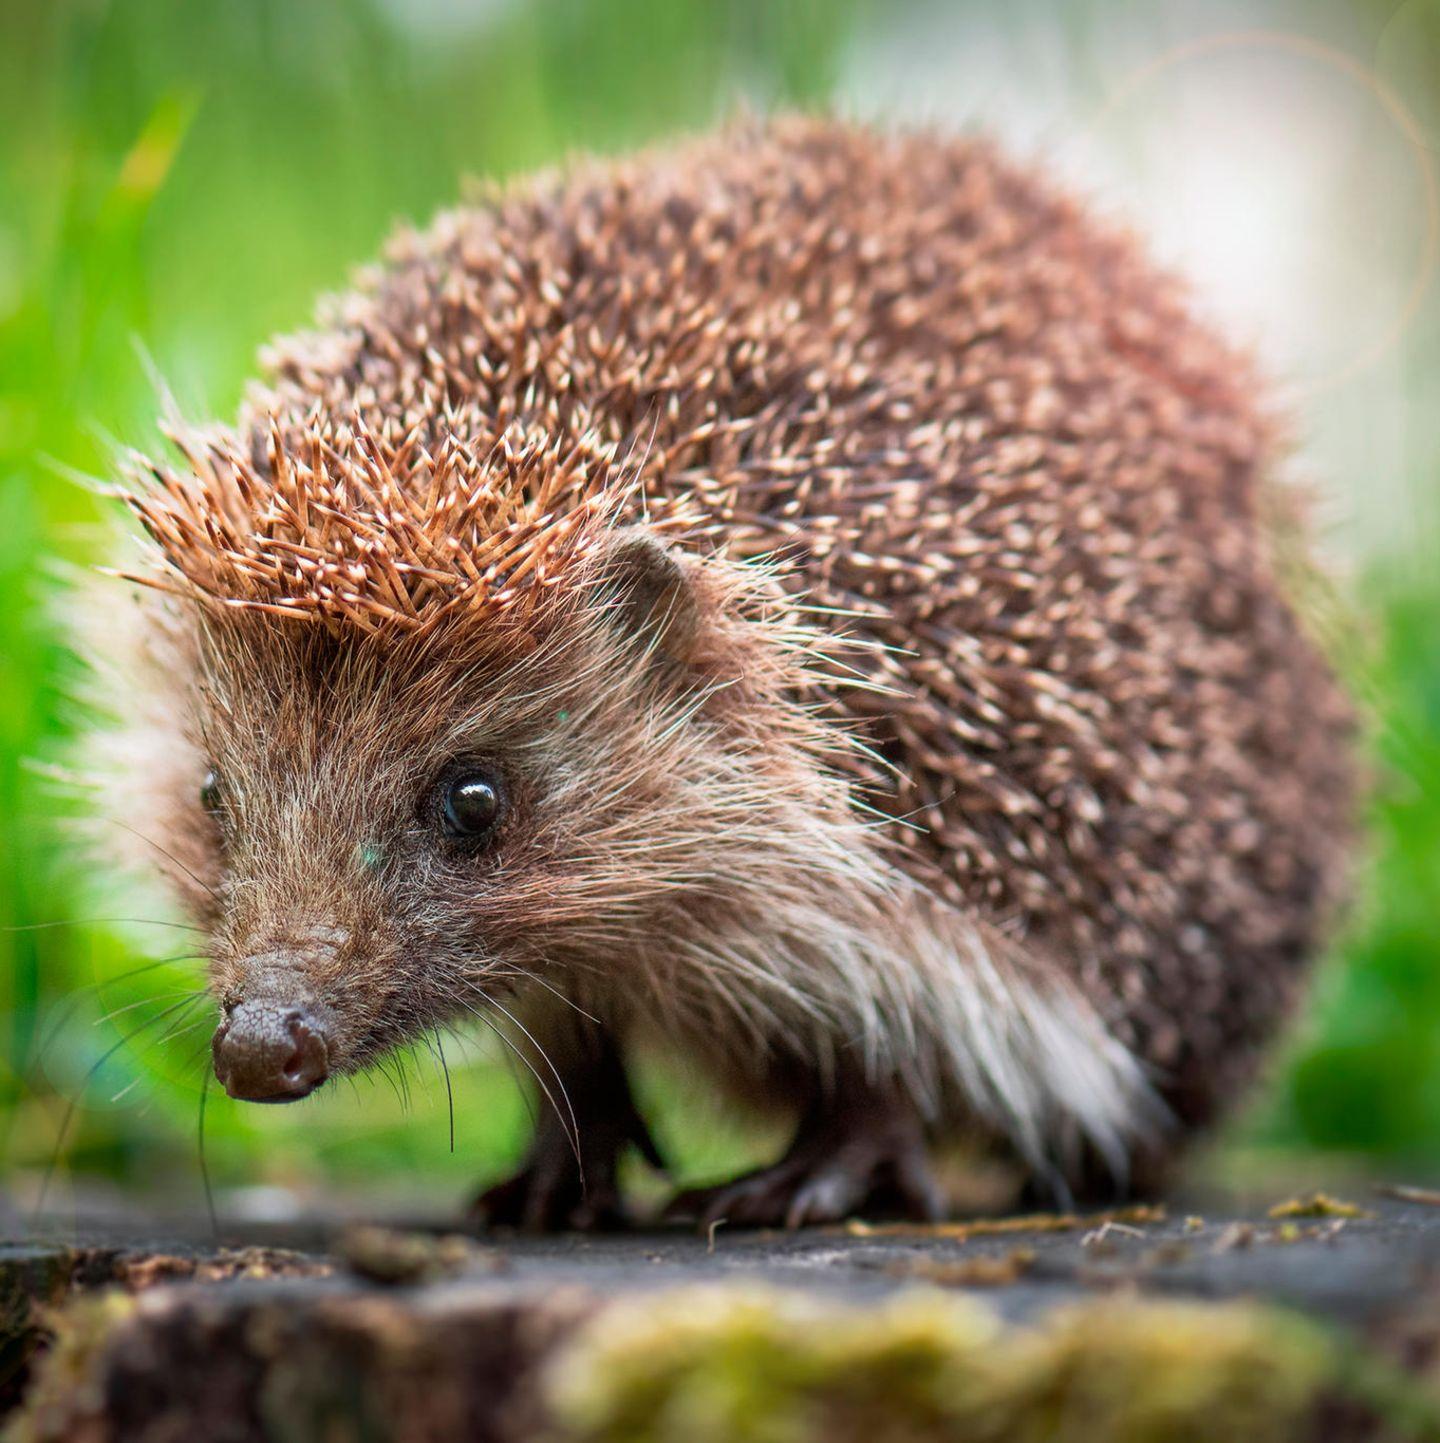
x,y
471,805
210,791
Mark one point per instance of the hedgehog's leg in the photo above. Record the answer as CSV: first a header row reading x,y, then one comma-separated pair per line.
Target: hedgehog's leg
x,y
589,1119
861,1151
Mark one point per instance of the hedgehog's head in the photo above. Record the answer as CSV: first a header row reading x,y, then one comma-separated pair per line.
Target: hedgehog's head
x,y
407,784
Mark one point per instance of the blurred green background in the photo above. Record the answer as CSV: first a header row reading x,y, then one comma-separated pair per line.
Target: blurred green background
x,y
180,178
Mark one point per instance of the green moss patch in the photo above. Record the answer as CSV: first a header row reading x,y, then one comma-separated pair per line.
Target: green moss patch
x,y
67,1386
716,1364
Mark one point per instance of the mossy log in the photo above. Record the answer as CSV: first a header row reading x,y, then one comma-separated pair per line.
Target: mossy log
x,y
1131,1328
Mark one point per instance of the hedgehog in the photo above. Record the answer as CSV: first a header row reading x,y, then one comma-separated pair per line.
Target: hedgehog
x,y
805,599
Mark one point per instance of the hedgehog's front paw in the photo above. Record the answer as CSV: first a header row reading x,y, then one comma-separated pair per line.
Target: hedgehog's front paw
x,y
866,1156
569,1180
549,1195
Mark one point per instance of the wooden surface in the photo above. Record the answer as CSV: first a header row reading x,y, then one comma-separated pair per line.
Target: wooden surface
x,y
313,1328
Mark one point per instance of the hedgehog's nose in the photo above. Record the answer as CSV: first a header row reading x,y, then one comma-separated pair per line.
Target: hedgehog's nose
x,y
269,1053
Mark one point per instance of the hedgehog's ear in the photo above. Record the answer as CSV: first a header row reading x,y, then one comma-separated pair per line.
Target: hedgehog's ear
x,y
649,593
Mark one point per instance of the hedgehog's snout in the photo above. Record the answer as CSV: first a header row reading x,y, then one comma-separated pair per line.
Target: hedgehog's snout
x,y
280,1035
271,1052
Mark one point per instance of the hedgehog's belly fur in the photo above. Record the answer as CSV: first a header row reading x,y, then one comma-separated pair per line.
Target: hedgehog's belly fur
x,y
992,438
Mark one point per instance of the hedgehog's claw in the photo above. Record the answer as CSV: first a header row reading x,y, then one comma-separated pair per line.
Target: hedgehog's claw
x,y
863,1158
569,1181
547,1195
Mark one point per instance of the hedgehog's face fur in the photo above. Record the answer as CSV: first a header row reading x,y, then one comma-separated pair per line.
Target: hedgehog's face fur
x,y
384,832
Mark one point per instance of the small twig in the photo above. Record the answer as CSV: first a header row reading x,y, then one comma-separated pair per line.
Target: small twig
x,y
1100,1234
1428,1196
711,1231
1234,1236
